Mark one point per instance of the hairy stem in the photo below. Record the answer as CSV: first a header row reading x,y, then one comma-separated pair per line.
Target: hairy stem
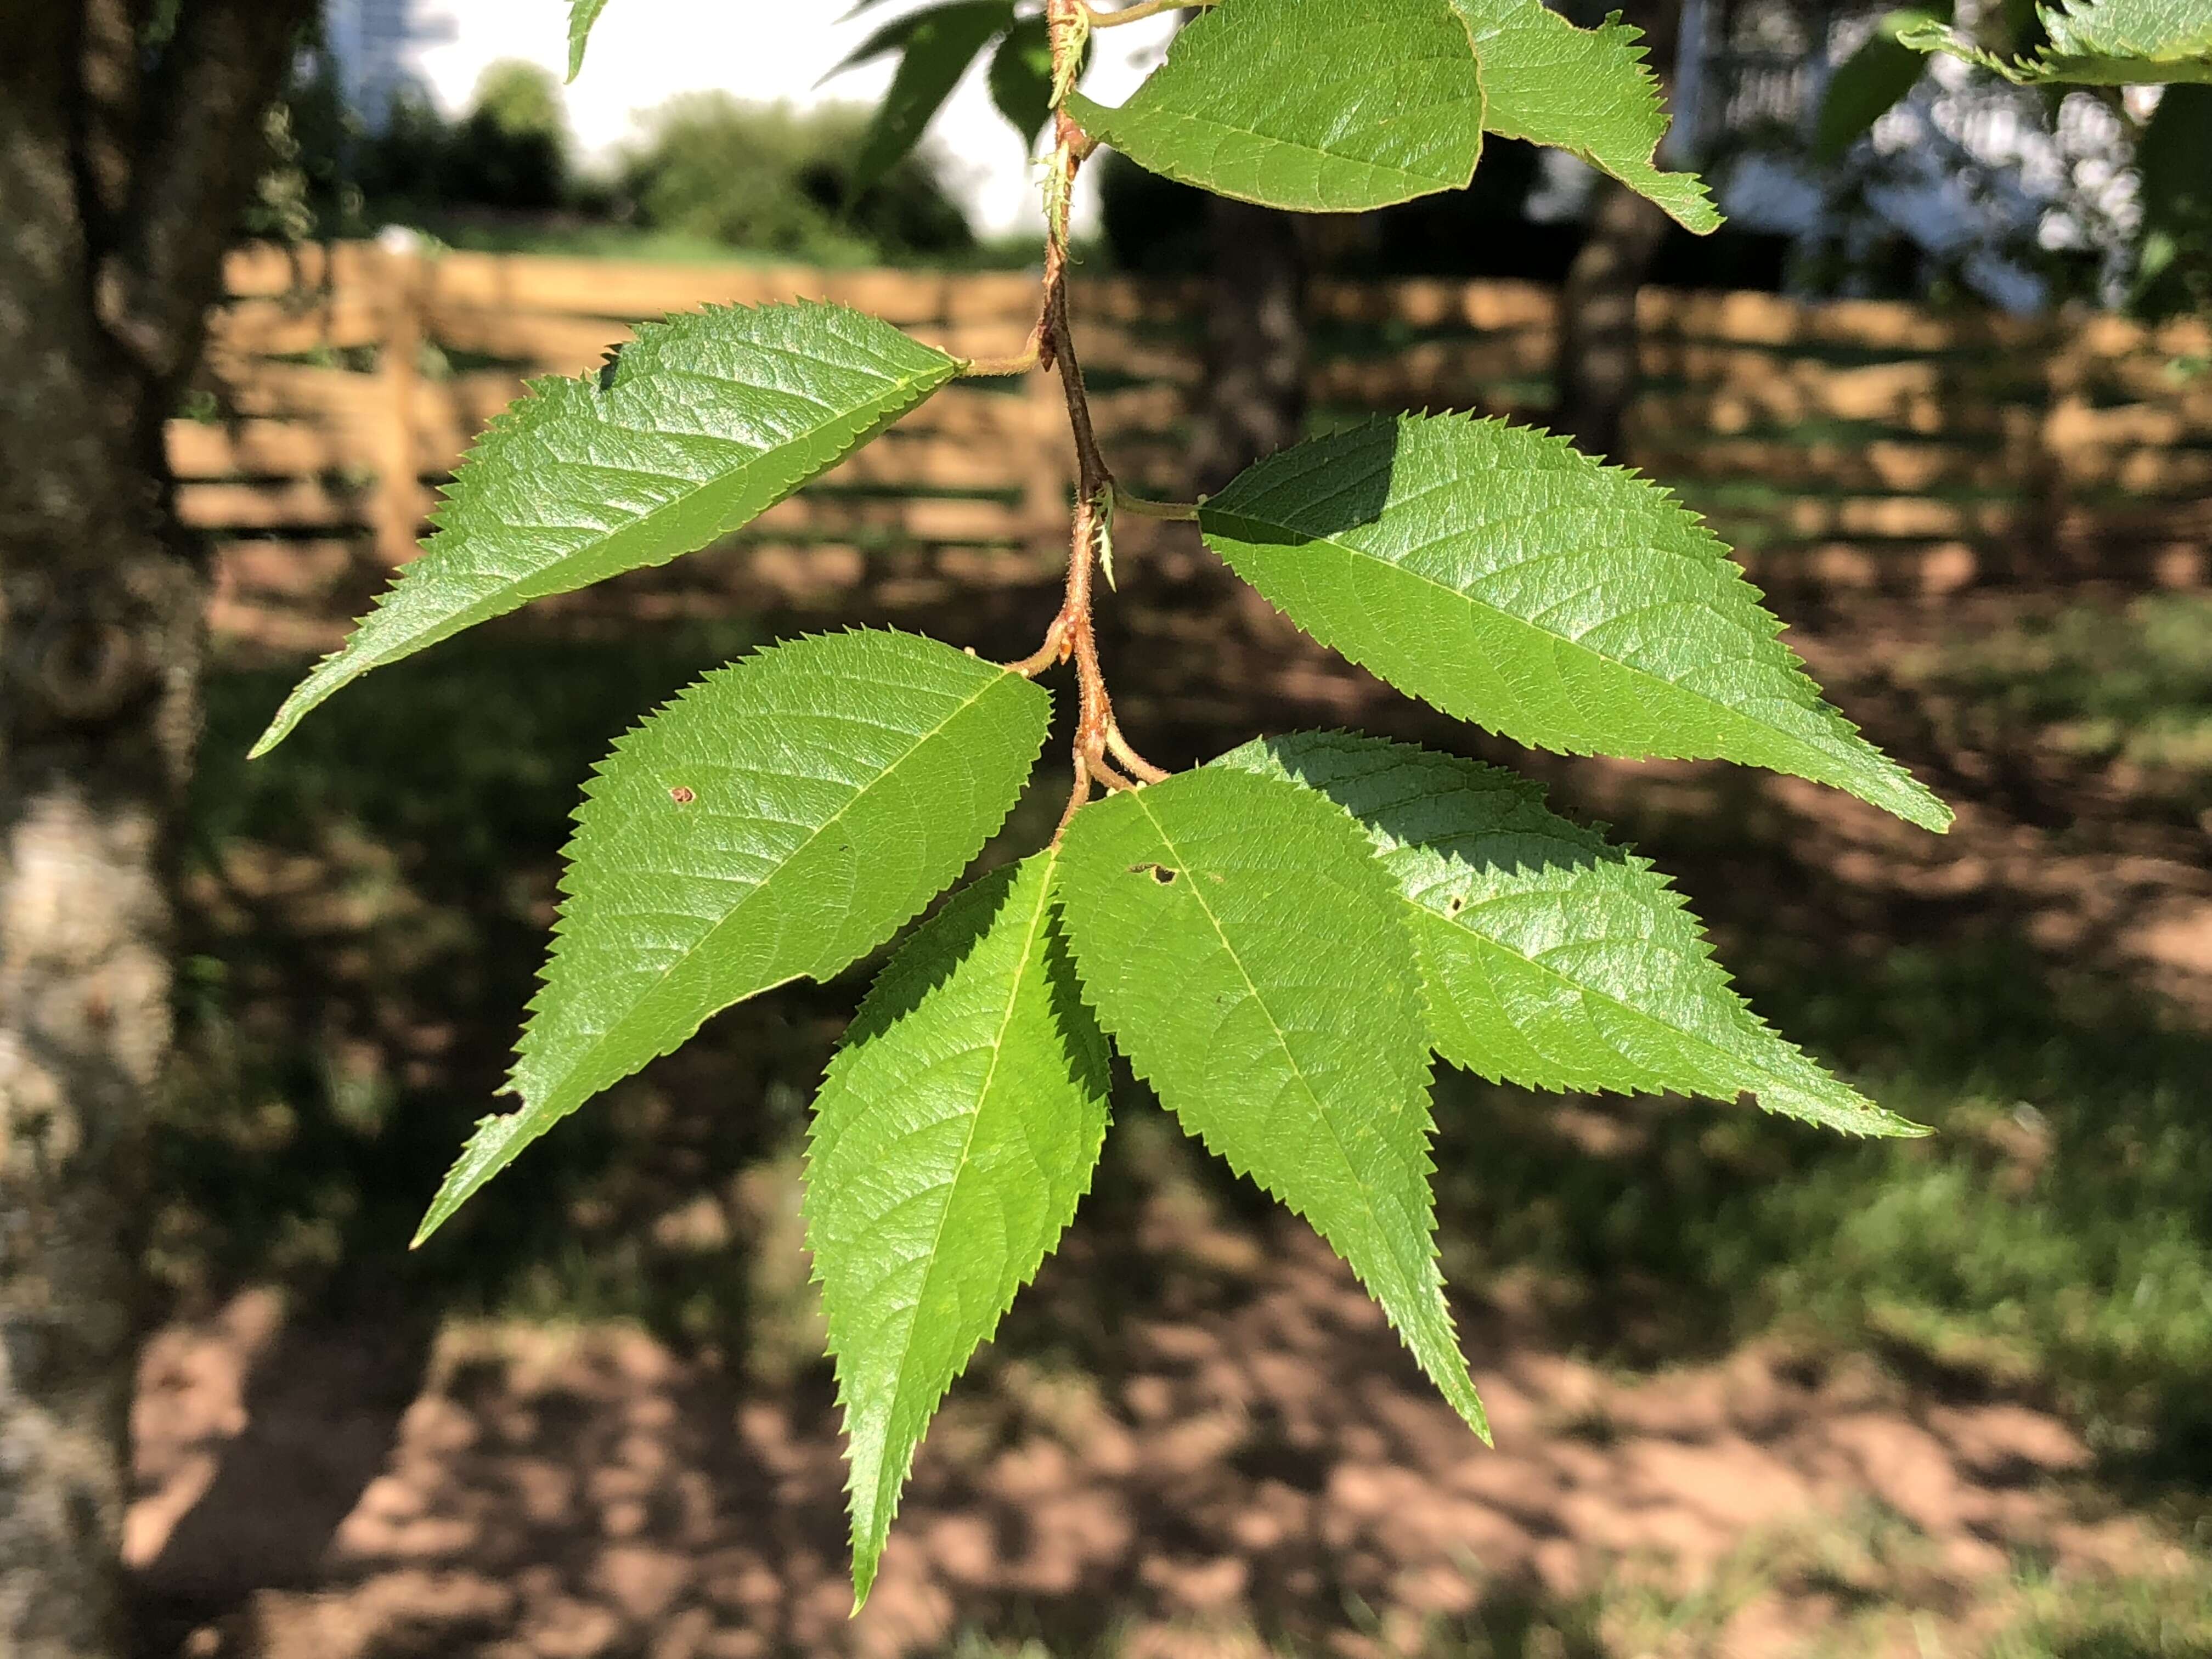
x,y
1099,744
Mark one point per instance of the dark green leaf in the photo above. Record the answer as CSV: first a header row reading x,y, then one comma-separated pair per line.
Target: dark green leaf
x,y
940,43
1021,78
1867,84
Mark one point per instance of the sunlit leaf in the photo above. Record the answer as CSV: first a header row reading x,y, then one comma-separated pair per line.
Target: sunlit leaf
x,y
1509,579
1550,958
1587,91
1247,953
1321,105
953,1138
775,822
699,425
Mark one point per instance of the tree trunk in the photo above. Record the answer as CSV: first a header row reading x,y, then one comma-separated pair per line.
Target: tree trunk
x,y
1255,398
116,187
1596,369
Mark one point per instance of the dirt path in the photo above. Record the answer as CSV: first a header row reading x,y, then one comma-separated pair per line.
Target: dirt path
x,y
1264,1457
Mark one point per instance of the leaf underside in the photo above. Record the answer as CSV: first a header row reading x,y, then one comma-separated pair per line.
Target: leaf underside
x,y
1550,958
1868,84
1020,77
582,14
940,43
1588,91
953,1138
1504,577
703,422
776,821
1245,951
2096,43
1317,106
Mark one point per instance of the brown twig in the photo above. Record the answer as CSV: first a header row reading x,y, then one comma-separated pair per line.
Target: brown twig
x,y
1102,752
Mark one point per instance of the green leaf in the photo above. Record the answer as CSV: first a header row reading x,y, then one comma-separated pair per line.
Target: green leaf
x,y
1320,106
2096,43
776,821
1509,579
582,14
1021,78
1867,84
939,46
700,425
2174,270
1587,91
894,35
954,1136
1550,958
1245,950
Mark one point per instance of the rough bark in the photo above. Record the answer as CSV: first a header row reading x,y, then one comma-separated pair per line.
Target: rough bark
x,y
116,212
1254,397
1595,368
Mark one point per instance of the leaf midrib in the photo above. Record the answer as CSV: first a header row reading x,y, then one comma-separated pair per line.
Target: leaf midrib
x,y
1461,923
360,655
1645,674
967,1147
742,472
1320,1108
729,917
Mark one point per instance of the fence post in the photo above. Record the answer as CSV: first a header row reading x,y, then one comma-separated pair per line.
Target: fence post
x,y
1047,468
397,511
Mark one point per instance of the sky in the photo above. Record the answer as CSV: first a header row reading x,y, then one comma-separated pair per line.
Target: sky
x,y
645,50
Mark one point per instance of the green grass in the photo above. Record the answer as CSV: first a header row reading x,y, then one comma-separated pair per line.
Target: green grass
x,y
1871,1568
2127,684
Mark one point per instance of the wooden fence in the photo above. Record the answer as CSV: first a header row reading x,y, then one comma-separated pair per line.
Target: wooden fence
x,y
1851,444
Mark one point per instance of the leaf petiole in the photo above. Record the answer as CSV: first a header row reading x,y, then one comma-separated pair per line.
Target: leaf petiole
x,y
1141,11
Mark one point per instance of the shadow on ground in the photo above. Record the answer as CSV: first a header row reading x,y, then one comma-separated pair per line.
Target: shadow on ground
x,y
1754,1389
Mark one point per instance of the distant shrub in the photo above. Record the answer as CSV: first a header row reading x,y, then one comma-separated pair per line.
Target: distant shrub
x,y
510,150
771,179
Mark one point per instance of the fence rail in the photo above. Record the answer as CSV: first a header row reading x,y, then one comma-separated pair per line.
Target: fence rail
x,y
1851,443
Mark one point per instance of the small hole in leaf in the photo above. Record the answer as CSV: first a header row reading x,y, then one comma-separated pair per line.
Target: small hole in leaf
x,y
1158,873
681,796
1458,903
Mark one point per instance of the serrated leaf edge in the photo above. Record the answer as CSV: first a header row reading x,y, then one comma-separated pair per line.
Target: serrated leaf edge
x,y
1043,924
1772,632
1471,1408
322,681
451,1195
1662,884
